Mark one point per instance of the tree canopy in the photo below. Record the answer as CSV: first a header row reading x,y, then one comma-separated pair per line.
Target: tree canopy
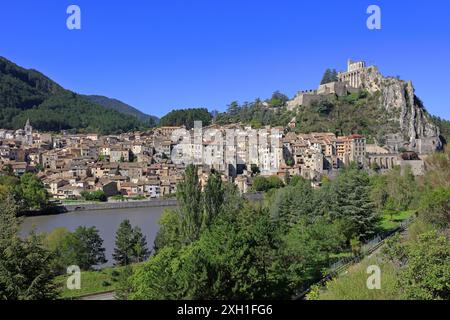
x,y
186,117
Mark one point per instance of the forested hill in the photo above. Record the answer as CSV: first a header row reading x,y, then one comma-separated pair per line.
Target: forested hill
x,y
359,112
122,107
26,93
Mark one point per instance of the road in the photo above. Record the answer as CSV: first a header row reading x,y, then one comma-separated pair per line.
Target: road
x,y
100,296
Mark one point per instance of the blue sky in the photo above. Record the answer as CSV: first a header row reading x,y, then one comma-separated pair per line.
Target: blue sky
x,y
158,55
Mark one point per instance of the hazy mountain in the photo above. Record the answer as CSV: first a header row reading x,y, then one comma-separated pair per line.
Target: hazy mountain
x,y
121,107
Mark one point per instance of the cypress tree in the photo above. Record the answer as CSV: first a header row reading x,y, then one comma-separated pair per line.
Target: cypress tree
x,y
213,199
189,195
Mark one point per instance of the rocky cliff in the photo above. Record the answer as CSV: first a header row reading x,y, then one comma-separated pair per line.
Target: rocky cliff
x,y
415,131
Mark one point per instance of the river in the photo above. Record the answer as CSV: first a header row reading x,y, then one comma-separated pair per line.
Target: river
x,y
106,221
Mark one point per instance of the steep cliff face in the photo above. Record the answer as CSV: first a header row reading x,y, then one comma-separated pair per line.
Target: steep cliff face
x,y
415,131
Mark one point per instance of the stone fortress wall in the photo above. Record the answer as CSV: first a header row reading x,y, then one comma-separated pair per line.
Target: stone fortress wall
x,y
348,82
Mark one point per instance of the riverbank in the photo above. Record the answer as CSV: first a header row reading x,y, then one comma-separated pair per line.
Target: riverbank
x,y
132,204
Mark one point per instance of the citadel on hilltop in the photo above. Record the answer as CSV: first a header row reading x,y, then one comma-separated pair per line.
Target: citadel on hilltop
x,y
416,131
350,81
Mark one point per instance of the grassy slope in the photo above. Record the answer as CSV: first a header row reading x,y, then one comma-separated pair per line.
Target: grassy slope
x,y
387,223
91,282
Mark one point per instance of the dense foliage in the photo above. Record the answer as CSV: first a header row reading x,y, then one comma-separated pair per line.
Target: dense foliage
x,y
124,108
25,264
257,113
28,191
98,195
218,246
414,265
263,184
186,117
83,248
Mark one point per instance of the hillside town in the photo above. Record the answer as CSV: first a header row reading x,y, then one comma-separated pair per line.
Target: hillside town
x,y
146,164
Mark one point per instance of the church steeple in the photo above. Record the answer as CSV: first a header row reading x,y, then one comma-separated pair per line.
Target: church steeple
x,y
28,133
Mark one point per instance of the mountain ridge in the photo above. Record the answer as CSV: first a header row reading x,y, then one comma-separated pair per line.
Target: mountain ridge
x,y
29,94
122,107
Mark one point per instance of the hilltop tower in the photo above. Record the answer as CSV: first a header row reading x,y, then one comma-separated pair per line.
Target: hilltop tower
x,y
28,138
354,72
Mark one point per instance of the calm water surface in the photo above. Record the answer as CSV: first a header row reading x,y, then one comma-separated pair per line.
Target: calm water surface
x,y
106,221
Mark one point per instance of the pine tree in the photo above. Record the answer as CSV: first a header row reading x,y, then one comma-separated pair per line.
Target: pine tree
x,y
84,248
334,76
140,248
329,76
131,245
326,77
123,252
351,204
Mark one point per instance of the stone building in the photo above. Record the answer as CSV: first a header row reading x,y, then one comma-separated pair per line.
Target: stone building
x,y
354,74
28,137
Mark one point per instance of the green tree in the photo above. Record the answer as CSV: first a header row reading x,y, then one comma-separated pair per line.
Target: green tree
x,y
189,197
123,252
329,76
140,247
169,233
234,259
25,265
186,117
255,169
157,278
435,206
264,184
306,251
390,208
84,248
213,199
31,192
291,203
124,286
98,195
401,188
278,99
347,199
326,76
426,274
53,242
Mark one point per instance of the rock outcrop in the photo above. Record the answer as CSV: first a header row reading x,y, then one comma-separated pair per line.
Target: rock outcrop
x,y
416,131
